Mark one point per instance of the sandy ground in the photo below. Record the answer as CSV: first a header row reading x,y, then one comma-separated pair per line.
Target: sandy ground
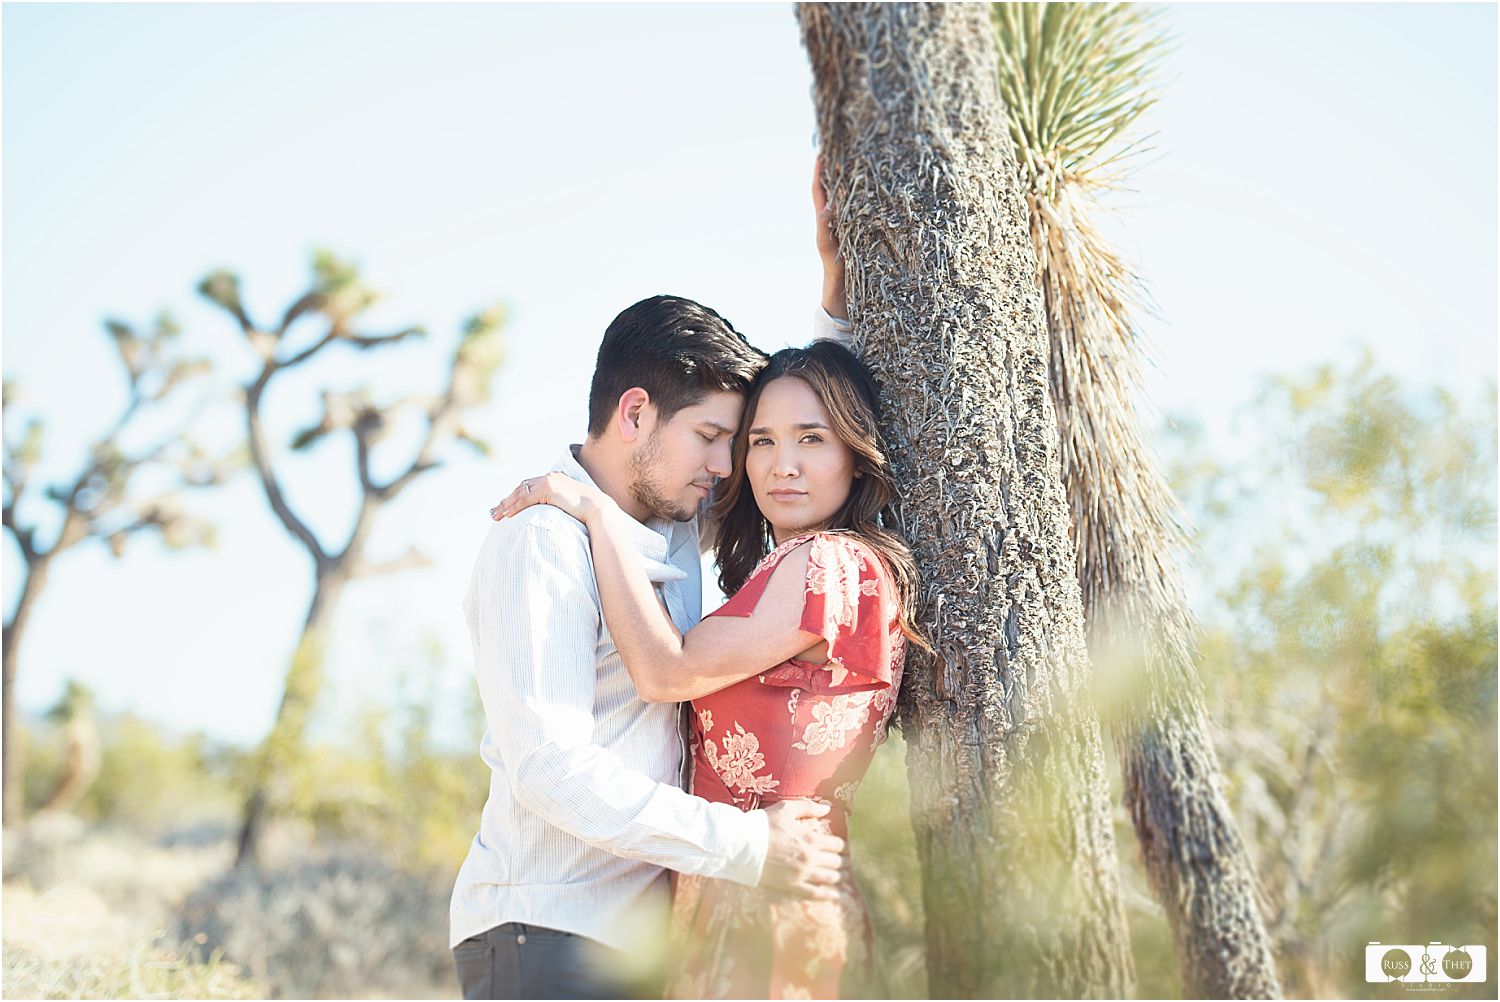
x,y
88,915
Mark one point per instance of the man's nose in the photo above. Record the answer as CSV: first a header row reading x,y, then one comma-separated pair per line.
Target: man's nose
x,y
721,458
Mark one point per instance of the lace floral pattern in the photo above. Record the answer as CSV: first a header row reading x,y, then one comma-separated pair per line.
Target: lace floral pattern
x,y
740,761
797,730
833,722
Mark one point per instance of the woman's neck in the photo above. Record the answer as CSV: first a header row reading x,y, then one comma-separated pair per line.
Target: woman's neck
x,y
780,535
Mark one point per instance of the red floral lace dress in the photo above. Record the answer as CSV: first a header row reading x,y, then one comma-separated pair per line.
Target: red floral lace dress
x,y
797,730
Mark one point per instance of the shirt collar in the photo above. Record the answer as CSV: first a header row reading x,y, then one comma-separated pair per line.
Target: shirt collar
x,y
652,539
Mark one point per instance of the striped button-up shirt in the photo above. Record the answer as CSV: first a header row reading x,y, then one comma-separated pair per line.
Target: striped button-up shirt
x,y
585,805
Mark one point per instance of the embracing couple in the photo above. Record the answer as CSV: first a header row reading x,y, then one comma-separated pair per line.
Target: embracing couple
x,y
626,737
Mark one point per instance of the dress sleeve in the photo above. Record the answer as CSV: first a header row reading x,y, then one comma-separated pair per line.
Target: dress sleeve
x,y
848,601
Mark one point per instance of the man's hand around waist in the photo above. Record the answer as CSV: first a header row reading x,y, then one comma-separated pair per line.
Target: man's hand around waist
x,y
802,857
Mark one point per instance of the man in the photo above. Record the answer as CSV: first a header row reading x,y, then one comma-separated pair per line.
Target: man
x,y
586,805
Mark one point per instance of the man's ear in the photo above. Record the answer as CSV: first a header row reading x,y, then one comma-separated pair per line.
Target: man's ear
x,y
634,413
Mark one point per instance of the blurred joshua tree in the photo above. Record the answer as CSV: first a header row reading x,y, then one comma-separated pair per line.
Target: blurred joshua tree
x,y
1076,78
122,489
335,302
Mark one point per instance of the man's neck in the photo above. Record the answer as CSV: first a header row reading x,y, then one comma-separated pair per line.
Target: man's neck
x,y
610,473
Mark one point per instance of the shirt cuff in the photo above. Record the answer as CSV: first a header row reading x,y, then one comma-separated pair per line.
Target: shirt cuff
x,y
751,835
827,327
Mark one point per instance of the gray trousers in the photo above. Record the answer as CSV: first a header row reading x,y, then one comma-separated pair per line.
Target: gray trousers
x,y
517,961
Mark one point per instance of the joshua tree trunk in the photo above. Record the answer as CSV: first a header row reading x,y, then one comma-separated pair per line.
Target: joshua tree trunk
x,y
304,679
1009,799
35,580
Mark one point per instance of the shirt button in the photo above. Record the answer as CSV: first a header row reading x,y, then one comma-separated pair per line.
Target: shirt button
x,y
521,939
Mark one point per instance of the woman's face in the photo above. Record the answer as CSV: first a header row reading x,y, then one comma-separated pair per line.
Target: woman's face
x,y
799,470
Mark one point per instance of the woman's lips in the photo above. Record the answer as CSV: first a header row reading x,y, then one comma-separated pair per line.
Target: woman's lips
x,y
786,495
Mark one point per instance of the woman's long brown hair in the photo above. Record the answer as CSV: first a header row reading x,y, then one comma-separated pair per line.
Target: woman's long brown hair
x,y
848,392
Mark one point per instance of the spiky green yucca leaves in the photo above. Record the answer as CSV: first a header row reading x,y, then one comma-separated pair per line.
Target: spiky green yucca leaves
x,y
1076,79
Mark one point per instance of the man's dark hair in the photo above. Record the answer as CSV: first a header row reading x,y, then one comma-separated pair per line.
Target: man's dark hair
x,y
676,350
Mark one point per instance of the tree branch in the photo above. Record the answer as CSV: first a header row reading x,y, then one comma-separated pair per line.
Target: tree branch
x,y
306,353
367,341
15,474
362,459
25,536
223,288
260,458
309,303
335,333
438,419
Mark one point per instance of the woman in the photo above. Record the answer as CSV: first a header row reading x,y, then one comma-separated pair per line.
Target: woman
x,y
806,558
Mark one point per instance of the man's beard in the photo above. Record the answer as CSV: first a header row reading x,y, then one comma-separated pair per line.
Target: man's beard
x,y
644,488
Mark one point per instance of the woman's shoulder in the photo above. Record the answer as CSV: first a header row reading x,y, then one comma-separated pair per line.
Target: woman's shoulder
x,y
846,547
826,548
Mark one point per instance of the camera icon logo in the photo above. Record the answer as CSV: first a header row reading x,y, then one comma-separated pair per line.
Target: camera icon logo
x,y
1420,963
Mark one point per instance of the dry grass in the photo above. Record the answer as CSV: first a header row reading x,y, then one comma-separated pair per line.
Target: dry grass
x,y
92,913
87,916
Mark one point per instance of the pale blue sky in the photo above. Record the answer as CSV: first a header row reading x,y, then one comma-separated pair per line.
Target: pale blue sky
x,y
1324,175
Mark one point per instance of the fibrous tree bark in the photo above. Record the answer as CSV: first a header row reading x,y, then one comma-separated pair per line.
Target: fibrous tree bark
x,y
336,299
1077,77
1009,799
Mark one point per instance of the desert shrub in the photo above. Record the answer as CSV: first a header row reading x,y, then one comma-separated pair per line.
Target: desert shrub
x,y
345,924
154,782
1349,652
41,748
406,801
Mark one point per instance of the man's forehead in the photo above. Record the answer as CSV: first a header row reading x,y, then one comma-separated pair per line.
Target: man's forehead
x,y
720,410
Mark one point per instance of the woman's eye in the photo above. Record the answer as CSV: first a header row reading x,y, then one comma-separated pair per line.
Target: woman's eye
x,y
812,439
760,441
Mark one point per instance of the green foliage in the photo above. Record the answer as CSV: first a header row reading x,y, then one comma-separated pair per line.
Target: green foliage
x,y
152,782
391,788
1074,78
343,291
222,287
1350,658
